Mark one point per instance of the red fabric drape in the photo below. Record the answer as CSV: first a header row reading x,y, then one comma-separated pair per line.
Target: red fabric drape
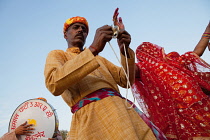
x,y
173,90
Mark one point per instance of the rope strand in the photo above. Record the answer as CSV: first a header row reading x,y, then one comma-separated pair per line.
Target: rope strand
x,y
126,74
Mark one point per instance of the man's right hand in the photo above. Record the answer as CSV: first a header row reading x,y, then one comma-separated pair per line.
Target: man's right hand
x,y
103,35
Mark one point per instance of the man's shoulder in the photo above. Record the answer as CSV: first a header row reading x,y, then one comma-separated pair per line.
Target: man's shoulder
x,y
57,52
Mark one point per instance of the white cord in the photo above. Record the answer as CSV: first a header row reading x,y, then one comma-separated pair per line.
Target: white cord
x,y
126,74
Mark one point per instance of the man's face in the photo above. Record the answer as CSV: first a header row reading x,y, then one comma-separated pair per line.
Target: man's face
x,y
76,35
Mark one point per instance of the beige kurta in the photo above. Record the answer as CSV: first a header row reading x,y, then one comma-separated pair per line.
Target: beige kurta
x,y
74,74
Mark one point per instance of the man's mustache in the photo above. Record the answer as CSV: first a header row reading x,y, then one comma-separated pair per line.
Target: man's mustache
x,y
80,34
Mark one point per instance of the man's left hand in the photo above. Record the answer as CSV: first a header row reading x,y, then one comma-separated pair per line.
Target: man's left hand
x,y
123,38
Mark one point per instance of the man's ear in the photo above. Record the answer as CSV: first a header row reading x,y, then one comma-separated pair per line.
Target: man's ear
x,y
65,36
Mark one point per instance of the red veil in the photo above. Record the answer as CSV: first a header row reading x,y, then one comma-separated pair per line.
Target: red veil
x,y
173,91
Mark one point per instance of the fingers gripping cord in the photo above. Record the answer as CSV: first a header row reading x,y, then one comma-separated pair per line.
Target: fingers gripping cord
x,y
126,74
115,31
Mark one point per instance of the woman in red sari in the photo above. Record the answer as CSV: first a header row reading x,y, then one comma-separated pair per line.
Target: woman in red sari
x,y
173,90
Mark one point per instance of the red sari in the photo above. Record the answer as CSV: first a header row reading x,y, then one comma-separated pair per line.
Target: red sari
x,y
174,91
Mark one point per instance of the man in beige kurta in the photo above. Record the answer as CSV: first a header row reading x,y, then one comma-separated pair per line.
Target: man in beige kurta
x,y
77,72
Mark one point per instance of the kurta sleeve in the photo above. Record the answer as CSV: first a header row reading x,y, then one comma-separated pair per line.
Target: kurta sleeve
x,y
61,73
9,136
119,74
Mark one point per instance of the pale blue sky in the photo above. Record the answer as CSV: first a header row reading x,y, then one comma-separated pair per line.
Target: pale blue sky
x,y
29,29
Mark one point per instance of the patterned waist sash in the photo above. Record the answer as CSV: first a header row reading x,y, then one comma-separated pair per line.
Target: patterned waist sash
x,y
93,97
106,92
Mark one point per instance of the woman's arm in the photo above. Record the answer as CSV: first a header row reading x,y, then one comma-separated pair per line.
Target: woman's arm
x,y
204,42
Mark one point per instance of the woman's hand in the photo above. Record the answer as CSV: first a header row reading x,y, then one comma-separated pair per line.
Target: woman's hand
x,y
123,37
118,21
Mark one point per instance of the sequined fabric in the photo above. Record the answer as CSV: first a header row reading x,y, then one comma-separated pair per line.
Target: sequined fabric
x,y
174,91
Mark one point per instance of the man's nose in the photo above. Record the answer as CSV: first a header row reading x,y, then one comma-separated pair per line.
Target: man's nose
x,y
80,29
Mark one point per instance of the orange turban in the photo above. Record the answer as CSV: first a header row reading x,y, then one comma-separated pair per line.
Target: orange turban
x,y
75,20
